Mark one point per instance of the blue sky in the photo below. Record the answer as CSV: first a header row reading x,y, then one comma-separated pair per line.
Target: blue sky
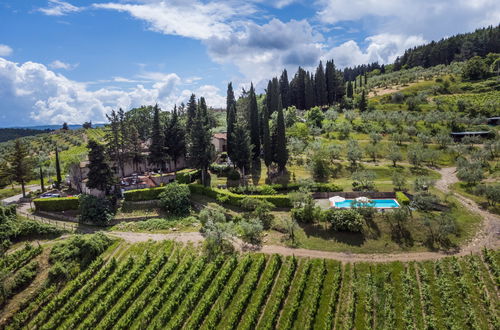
x,y
76,60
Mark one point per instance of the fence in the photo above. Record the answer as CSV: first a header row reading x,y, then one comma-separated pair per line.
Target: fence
x,y
356,194
71,227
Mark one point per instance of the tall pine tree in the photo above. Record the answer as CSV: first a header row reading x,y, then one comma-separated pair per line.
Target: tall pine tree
x,y
281,150
331,81
200,147
266,140
321,92
285,90
362,101
20,164
191,112
242,152
175,142
100,175
58,170
253,115
349,92
157,148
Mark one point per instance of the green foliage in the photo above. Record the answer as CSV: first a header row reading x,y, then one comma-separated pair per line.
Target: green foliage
x,y
187,176
56,204
363,180
77,253
251,230
175,199
402,198
475,69
146,194
235,199
95,210
344,220
490,191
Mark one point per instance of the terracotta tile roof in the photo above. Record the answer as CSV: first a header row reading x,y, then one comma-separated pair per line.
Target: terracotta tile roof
x,y
222,136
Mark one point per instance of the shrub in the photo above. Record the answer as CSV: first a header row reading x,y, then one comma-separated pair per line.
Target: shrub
x,y
187,176
344,220
402,198
95,210
56,204
147,194
175,199
213,212
235,199
251,230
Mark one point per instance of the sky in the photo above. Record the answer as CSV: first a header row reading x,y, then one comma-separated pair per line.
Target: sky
x,y
74,61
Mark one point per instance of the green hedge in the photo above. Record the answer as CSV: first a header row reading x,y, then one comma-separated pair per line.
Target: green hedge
x,y
56,204
317,187
187,176
146,194
402,198
235,199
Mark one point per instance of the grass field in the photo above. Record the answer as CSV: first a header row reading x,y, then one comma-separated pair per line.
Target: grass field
x,y
173,287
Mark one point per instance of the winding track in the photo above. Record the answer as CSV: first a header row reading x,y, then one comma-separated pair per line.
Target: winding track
x,y
488,236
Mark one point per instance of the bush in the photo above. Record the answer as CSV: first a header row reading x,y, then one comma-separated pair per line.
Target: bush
x,y
187,176
402,198
175,199
344,220
235,199
95,210
57,204
147,194
213,212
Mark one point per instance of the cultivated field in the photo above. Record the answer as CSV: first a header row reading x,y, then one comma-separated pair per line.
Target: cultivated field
x,y
163,285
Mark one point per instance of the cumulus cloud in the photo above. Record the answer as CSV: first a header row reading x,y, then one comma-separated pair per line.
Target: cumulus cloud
x,y
189,18
62,65
262,50
432,18
5,50
47,97
382,48
59,8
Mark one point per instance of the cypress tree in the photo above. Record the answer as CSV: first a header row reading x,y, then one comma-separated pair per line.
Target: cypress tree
x,y
266,140
321,92
100,175
309,92
331,81
156,149
200,148
254,123
58,170
350,92
281,150
175,142
362,102
191,112
340,90
285,89
231,122
230,100
300,87
242,152
42,185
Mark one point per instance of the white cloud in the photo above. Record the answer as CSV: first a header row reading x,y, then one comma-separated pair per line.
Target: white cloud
x,y
59,8
433,19
382,48
5,50
259,51
30,90
189,18
62,65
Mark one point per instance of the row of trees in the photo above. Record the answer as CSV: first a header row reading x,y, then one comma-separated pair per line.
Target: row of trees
x,y
323,87
253,134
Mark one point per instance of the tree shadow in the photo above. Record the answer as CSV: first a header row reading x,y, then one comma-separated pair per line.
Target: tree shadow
x,y
402,236
349,238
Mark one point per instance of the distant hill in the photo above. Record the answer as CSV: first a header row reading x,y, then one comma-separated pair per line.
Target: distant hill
x,y
50,127
7,134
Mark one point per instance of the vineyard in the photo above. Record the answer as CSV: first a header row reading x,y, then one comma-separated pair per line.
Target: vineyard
x,y
164,285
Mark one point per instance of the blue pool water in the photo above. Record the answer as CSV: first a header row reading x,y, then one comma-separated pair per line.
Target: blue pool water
x,y
378,203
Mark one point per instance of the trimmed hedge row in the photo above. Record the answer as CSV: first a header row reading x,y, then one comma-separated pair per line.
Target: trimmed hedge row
x,y
56,204
146,194
187,175
235,199
402,198
317,187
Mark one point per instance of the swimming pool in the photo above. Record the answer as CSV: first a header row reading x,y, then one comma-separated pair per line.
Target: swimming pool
x,y
377,203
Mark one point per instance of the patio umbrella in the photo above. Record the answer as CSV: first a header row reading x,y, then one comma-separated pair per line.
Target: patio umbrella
x,y
363,199
336,199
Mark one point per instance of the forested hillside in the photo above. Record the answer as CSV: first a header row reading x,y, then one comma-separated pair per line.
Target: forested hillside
x,y
7,134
